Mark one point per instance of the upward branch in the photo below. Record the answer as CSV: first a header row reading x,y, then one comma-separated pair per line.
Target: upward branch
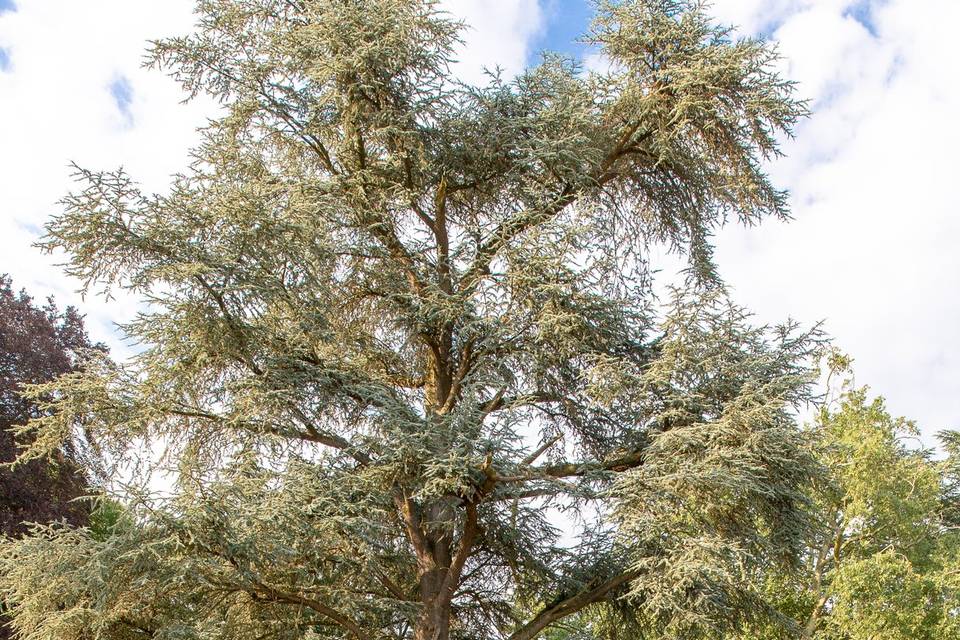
x,y
591,593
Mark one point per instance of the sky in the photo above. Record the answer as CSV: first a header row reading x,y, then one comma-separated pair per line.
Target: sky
x,y
871,173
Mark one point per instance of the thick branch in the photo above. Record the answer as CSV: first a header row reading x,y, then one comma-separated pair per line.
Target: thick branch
x,y
269,593
466,362
414,527
470,531
507,231
442,238
568,469
568,606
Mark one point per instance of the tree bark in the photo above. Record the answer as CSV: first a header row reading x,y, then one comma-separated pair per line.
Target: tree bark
x,y
434,621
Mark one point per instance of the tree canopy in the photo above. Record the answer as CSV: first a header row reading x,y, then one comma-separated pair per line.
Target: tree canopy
x,y
396,324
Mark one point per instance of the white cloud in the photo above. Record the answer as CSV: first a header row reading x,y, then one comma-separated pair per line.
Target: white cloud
x,y
74,91
498,33
872,175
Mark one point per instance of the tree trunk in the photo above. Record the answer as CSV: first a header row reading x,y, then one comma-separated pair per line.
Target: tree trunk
x,y
434,621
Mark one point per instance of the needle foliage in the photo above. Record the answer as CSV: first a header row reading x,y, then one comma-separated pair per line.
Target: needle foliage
x,y
398,326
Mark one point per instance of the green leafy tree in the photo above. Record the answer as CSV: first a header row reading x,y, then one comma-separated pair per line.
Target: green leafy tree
x,y
883,565
397,324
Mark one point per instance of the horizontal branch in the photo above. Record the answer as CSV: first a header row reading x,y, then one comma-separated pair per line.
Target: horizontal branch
x,y
311,435
568,469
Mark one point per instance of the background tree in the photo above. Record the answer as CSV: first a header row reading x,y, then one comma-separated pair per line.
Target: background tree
x,y
397,324
883,565
37,344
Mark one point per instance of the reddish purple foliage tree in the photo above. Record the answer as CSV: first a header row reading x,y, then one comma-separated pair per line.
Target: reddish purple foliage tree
x,y
37,344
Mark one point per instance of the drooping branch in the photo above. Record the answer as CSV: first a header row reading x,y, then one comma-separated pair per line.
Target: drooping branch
x,y
310,435
269,593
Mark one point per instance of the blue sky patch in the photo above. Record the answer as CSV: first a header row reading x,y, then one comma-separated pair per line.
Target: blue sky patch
x,y
7,5
4,59
30,227
564,22
122,92
862,12
768,28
